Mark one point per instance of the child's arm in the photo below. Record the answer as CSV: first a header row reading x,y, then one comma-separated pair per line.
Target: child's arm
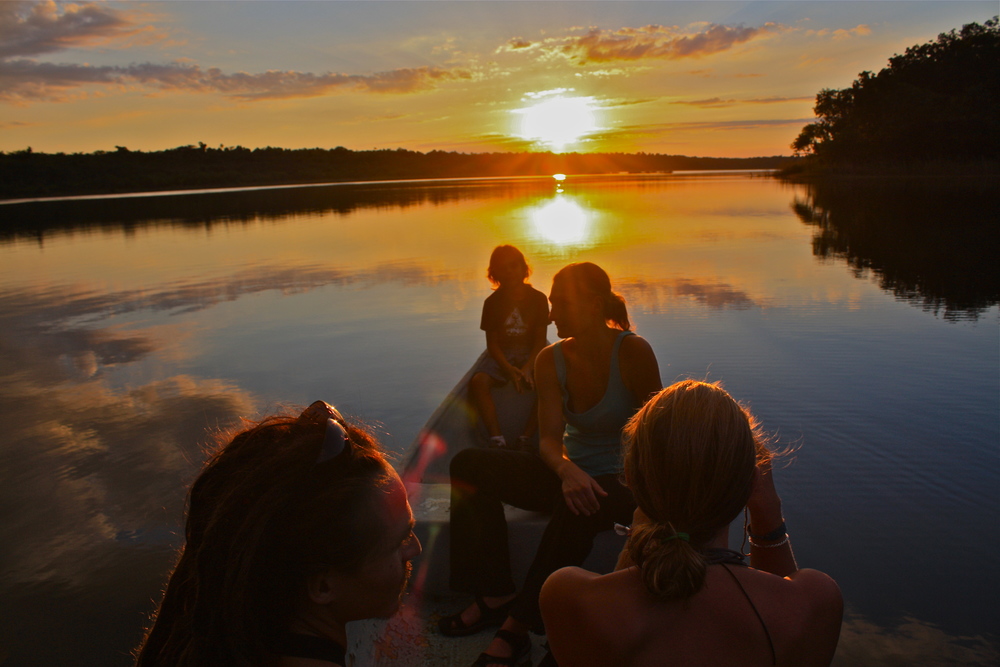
x,y
493,346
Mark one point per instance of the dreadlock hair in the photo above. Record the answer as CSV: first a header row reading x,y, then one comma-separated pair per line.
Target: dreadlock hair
x,y
263,516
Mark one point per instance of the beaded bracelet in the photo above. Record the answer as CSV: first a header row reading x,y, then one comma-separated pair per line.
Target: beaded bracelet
x,y
770,546
775,534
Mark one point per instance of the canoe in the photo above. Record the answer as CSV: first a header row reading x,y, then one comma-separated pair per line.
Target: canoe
x,y
455,426
410,638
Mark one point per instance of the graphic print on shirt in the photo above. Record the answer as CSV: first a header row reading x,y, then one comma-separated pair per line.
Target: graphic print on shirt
x,y
515,326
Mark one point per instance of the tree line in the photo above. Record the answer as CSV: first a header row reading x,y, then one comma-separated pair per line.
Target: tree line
x,y
27,173
936,103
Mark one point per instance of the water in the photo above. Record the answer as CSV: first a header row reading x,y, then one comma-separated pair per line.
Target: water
x,y
862,334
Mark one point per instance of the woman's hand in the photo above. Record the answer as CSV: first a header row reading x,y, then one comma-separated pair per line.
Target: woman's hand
x,y
764,504
580,490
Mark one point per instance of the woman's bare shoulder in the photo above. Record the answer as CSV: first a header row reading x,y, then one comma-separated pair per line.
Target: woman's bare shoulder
x,y
806,610
589,617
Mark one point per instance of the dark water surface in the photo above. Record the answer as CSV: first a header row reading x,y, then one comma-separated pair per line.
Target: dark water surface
x,y
859,321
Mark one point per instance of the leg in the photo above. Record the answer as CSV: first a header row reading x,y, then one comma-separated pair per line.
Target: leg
x,y
481,481
479,387
531,426
568,540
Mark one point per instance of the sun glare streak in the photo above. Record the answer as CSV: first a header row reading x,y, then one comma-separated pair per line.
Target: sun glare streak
x,y
557,121
562,221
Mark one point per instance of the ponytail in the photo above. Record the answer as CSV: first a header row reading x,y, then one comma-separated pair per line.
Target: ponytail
x,y
592,278
671,568
615,310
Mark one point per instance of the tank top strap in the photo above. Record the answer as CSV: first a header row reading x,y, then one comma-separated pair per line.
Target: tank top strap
x,y
616,373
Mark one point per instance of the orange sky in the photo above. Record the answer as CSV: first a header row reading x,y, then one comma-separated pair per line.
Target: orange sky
x,y
692,78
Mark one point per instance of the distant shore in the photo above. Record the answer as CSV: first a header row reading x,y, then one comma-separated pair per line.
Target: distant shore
x,y
28,175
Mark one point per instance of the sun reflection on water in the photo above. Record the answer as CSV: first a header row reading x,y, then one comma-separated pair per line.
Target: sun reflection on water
x,y
563,221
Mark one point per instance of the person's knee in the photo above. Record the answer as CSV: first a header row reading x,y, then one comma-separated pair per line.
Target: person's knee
x,y
466,464
480,382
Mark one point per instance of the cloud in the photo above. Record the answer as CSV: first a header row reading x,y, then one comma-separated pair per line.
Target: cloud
x,y
23,81
517,44
33,29
860,30
718,102
728,124
648,42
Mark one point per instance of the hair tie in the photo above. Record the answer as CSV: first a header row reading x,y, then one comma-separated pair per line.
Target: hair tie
x,y
676,536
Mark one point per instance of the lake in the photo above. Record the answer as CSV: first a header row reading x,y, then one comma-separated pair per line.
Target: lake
x,y
858,320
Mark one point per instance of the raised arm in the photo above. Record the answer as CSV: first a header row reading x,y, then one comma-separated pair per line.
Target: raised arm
x,y
770,548
580,490
817,608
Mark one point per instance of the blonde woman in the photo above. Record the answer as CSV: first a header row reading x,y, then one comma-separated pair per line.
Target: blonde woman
x,y
693,459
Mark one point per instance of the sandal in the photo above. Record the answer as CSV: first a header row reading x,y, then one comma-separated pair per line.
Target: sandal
x,y
520,651
452,626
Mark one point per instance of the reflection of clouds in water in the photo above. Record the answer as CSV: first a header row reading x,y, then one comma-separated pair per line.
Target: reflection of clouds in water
x,y
655,296
84,467
65,302
912,642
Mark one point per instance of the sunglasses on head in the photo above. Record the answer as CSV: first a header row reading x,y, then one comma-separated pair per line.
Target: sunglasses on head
x,y
336,439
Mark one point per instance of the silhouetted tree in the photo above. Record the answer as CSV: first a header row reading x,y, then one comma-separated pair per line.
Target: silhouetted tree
x,y
937,101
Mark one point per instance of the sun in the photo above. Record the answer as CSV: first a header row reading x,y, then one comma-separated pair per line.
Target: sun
x,y
557,121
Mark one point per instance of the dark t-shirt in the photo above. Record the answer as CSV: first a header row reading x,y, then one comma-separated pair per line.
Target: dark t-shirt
x,y
515,320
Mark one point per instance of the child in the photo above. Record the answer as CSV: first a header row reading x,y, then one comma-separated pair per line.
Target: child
x,y
515,318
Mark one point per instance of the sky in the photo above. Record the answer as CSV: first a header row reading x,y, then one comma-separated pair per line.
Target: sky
x,y
726,79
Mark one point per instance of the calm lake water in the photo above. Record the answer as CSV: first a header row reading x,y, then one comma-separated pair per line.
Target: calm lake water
x,y
859,321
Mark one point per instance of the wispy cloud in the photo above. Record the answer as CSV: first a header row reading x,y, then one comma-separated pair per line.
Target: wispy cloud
x,y
718,102
839,34
28,81
647,42
28,29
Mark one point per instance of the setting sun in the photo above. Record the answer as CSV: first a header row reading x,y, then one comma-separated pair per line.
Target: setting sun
x,y
557,121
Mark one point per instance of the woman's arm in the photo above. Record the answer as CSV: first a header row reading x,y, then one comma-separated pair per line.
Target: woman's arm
x,y
537,344
580,490
639,369
817,608
771,550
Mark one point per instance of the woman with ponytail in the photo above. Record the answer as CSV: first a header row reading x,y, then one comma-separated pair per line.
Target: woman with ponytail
x,y
694,458
589,384
296,526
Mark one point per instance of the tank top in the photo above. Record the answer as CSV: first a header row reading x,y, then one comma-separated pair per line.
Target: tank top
x,y
593,438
